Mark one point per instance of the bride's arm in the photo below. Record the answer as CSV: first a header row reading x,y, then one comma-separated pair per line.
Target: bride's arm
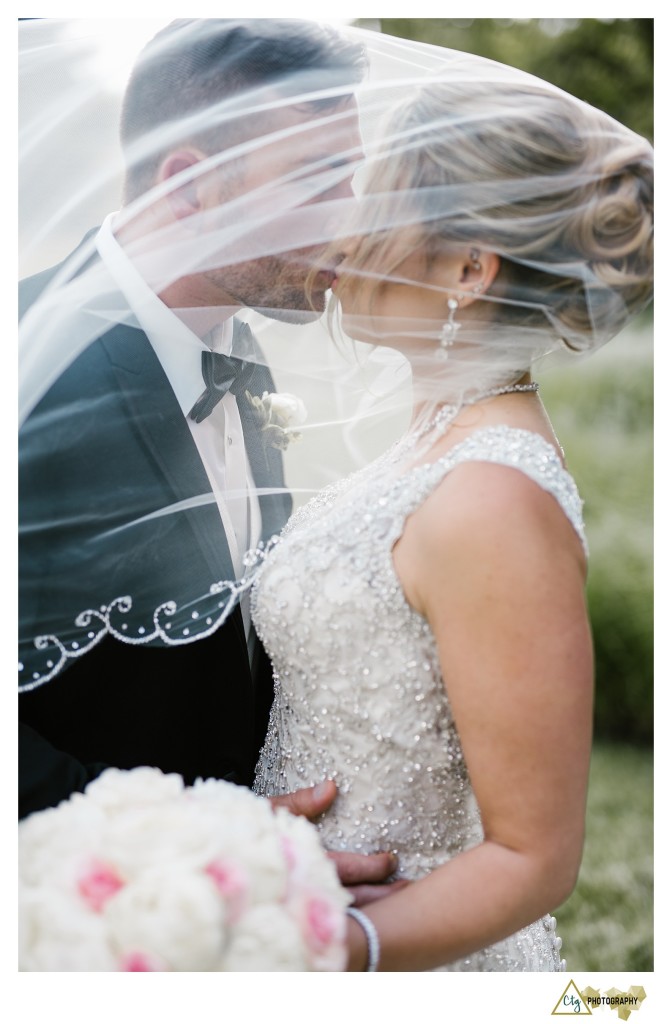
x,y
494,565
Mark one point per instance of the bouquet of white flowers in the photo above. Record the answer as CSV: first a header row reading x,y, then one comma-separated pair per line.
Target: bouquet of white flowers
x,y
143,873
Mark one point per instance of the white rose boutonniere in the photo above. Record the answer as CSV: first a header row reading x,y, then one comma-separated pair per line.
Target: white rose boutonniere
x,y
277,415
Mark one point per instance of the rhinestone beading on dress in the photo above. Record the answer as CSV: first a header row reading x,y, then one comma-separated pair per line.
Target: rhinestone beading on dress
x,y
359,696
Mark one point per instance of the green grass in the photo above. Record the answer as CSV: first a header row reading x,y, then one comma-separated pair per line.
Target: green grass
x,y
607,924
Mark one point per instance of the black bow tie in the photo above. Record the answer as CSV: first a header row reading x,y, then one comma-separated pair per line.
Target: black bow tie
x,y
221,374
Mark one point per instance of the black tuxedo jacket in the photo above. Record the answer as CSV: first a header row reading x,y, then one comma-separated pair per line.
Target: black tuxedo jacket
x,y
197,709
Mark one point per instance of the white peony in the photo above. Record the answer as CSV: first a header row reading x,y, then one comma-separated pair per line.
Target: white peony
x,y
309,867
141,873
172,913
323,929
247,822
267,938
59,933
150,835
116,787
48,852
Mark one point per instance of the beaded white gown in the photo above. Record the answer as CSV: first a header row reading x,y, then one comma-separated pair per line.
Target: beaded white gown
x,y
359,696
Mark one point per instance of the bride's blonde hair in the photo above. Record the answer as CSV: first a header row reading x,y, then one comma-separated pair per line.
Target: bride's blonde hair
x,y
559,190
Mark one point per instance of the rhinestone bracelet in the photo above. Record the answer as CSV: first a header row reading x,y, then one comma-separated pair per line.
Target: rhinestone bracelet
x,y
372,940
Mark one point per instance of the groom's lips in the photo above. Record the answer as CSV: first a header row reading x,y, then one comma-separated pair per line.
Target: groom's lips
x,y
330,274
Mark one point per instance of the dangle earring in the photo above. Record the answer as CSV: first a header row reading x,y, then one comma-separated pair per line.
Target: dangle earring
x,y
451,326
449,329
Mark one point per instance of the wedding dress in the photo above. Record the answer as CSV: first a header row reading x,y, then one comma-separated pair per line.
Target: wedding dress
x,y
359,696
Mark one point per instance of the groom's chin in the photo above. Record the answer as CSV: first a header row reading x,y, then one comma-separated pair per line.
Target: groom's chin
x,y
296,314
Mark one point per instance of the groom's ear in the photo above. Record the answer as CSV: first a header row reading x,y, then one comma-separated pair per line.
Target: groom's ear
x,y
184,199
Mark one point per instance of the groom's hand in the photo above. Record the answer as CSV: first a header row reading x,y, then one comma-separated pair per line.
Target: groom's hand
x,y
365,875
307,803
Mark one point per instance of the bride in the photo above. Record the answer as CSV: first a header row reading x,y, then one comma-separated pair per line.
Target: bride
x,y
426,617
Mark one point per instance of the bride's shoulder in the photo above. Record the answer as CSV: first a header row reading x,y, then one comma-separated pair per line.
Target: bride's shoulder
x,y
484,490
506,442
484,521
502,486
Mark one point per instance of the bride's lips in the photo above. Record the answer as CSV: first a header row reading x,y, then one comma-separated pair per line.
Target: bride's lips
x,y
338,275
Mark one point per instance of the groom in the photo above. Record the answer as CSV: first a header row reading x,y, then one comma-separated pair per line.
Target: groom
x,y
199,709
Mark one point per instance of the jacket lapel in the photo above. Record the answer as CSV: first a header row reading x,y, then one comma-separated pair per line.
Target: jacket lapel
x,y
167,440
265,461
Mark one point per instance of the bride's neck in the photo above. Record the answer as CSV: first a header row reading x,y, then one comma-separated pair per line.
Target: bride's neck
x,y
429,399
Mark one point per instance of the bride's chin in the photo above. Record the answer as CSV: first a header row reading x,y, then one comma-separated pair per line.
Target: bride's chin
x,y
374,331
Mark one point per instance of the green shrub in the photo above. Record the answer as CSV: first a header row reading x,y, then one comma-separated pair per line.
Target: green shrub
x,y
602,412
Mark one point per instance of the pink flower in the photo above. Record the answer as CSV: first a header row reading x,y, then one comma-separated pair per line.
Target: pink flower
x,y
289,852
99,884
322,923
231,882
140,962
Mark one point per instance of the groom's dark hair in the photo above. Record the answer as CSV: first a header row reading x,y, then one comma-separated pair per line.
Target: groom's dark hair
x,y
192,64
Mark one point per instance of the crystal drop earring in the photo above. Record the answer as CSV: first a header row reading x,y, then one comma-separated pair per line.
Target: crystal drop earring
x,y
449,329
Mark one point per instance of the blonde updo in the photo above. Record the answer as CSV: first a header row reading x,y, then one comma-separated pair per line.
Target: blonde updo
x,y
559,190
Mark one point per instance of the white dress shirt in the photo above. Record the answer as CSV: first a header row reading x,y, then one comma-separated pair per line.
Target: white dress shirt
x,y
219,437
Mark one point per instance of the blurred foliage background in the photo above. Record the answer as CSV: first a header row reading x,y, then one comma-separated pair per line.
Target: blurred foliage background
x,y
606,61
602,409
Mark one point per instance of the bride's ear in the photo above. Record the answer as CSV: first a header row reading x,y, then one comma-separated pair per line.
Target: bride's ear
x,y
479,270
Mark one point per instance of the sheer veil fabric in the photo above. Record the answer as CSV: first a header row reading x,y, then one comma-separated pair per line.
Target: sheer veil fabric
x,y
286,200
